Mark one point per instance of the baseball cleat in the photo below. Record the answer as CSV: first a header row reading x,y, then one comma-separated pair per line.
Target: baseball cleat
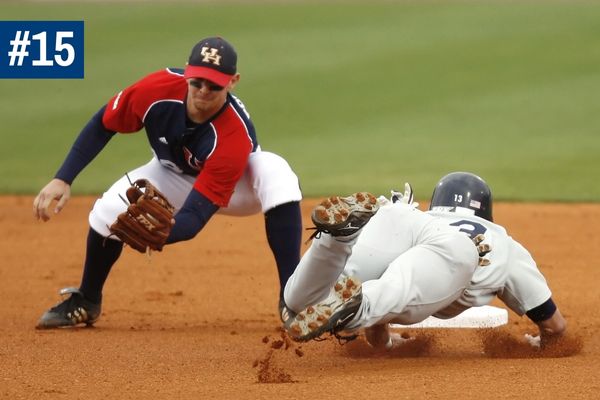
x,y
342,216
332,315
74,310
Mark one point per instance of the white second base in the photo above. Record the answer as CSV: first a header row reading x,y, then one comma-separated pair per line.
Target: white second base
x,y
474,317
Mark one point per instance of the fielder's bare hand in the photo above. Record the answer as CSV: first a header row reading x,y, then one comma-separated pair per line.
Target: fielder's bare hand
x,y
57,190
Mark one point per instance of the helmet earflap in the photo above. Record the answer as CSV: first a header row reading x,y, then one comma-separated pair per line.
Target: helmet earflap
x,y
463,191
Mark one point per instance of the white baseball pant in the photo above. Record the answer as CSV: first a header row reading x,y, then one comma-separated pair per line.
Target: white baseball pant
x,y
267,182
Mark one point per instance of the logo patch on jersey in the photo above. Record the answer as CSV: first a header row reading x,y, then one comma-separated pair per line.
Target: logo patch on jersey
x,y
191,160
211,55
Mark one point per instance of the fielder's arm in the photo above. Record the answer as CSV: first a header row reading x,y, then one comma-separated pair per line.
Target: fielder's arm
x,y
91,140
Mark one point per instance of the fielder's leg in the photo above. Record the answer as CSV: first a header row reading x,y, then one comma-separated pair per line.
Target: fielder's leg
x,y
283,226
102,252
84,304
271,186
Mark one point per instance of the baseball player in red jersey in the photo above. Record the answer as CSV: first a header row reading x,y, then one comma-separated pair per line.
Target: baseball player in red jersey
x,y
206,160
413,265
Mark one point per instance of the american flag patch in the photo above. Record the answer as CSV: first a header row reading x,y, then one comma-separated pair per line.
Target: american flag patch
x,y
476,204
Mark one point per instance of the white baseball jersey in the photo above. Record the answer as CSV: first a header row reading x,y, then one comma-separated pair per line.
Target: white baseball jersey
x,y
512,275
415,264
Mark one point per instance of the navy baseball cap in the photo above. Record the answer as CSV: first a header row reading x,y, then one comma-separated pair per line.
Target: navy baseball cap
x,y
213,59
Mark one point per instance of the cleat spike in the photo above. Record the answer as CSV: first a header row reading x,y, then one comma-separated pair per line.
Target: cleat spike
x,y
330,316
342,216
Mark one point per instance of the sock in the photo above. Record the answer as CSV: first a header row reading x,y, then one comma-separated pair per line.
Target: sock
x,y
100,256
284,234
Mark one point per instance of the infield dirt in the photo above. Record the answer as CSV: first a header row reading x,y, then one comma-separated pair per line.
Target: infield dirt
x,y
199,320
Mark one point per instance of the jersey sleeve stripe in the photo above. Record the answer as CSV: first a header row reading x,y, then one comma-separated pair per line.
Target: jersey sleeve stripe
x,y
244,125
214,131
228,159
170,71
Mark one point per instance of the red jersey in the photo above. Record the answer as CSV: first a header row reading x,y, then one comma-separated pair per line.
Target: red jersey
x,y
216,151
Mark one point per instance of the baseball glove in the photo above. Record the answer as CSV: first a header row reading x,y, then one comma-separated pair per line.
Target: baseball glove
x,y
148,220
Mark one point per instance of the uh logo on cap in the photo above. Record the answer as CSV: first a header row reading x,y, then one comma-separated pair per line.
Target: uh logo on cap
x,y
211,55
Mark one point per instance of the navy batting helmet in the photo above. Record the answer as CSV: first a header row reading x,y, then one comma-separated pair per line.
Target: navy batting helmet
x,y
463,190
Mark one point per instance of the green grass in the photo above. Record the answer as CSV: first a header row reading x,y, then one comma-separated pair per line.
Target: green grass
x,y
354,95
